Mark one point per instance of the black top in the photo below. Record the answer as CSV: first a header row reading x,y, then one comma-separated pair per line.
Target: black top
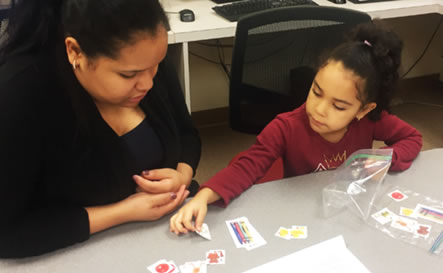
x,y
144,145
58,155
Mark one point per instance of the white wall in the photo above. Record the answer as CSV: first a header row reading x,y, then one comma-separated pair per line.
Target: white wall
x,y
209,84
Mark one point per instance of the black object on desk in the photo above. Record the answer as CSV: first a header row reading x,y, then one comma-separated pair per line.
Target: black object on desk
x,y
234,11
187,15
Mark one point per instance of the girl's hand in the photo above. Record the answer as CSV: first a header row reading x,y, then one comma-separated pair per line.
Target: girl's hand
x,y
181,222
144,206
161,180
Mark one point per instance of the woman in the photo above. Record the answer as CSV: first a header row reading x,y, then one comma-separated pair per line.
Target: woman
x,y
95,130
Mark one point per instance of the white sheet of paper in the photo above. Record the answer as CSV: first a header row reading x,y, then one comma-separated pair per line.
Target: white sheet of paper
x,y
331,256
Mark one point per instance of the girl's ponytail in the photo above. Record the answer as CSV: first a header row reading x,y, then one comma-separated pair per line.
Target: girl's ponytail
x,y
385,48
372,52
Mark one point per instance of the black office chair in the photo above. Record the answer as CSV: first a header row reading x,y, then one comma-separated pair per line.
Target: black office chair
x,y
275,58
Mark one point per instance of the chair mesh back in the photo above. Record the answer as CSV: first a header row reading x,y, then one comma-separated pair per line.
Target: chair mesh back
x,y
272,51
275,57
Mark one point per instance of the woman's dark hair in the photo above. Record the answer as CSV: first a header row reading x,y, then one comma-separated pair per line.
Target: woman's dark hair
x,y
101,27
373,53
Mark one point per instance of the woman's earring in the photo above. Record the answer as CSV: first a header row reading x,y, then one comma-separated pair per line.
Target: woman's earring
x,y
74,64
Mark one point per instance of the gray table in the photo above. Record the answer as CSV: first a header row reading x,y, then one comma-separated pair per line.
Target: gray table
x,y
293,201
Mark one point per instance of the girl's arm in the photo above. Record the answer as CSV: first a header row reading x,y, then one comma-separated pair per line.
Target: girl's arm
x,y
236,178
405,140
270,145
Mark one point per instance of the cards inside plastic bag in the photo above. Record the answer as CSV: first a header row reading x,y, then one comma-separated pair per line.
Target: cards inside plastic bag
x,y
410,217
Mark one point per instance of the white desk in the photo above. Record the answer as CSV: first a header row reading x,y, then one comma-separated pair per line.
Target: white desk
x,y
208,25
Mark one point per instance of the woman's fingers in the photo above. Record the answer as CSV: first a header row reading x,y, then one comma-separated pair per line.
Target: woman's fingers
x,y
150,186
158,174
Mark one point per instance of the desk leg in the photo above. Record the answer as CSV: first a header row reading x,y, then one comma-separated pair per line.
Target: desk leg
x,y
180,56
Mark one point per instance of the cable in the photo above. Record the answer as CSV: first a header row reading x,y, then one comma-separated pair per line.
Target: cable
x,y
221,57
424,51
421,103
203,58
212,45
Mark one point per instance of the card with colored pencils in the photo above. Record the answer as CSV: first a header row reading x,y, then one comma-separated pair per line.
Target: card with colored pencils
x,y
244,234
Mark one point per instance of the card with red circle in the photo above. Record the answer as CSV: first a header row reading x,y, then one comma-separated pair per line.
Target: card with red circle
x,y
397,195
163,266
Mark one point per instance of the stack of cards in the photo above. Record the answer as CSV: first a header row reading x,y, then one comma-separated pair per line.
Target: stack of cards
x,y
163,266
295,232
244,234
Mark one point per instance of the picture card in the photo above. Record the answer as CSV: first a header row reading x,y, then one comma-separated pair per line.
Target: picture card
x,y
298,232
194,267
216,256
204,232
407,212
383,216
283,232
163,266
429,213
422,230
404,224
244,234
397,196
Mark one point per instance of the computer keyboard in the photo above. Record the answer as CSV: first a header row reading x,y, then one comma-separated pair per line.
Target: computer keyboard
x,y
235,10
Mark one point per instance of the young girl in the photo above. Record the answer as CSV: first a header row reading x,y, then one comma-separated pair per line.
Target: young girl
x,y
346,110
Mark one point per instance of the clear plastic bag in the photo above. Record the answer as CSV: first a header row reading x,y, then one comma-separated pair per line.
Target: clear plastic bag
x,y
358,183
398,212
420,218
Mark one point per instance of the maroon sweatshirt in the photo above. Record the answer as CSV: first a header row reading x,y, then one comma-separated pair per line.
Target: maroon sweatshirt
x,y
303,151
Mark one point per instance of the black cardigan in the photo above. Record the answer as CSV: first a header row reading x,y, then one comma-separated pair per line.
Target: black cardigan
x,y
58,155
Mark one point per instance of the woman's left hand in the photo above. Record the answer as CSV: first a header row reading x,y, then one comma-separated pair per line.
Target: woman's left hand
x,y
162,180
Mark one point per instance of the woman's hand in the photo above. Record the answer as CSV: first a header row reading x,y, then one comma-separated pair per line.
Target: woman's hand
x,y
181,222
143,206
164,180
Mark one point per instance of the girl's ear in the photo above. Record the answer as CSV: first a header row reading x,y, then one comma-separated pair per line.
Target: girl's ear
x,y
365,110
